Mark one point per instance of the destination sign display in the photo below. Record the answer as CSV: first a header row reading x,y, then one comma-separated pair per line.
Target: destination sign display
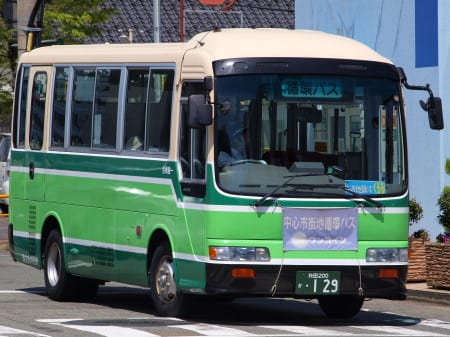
x,y
309,87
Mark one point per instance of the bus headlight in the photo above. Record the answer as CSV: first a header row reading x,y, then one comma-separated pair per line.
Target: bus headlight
x,y
387,255
239,253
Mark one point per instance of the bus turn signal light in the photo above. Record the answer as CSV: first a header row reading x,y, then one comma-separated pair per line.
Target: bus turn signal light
x,y
388,273
243,273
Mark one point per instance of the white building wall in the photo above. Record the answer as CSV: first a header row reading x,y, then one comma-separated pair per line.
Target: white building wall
x,y
389,28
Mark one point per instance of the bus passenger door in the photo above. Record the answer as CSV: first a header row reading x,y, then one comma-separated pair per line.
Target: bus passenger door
x,y
192,156
36,133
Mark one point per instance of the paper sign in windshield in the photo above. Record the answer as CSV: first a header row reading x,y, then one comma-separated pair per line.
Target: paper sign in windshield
x,y
320,229
366,186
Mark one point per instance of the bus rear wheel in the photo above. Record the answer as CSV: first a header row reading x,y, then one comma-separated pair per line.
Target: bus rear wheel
x,y
163,290
62,286
341,306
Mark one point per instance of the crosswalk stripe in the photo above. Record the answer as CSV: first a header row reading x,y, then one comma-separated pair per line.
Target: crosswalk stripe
x,y
306,330
7,331
435,323
396,330
213,330
102,330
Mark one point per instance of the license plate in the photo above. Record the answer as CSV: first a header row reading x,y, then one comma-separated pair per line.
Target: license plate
x,y
318,282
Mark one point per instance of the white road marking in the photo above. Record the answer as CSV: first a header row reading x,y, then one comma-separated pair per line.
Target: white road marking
x,y
7,331
102,330
31,291
224,331
306,330
396,330
435,323
213,330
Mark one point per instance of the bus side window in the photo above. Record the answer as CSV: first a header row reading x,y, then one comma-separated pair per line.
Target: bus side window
x,y
192,141
159,110
38,100
82,99
20,107
105,108
134,120
59,106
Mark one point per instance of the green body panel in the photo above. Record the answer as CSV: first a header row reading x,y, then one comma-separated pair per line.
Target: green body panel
x,y
108,207
268,226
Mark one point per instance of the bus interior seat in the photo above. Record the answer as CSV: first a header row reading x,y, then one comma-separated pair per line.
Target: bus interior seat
x,y
134,125
224,142
158,135
81,123
108,125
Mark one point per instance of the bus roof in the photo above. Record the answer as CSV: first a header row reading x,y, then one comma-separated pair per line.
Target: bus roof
x,y
213,45
274,42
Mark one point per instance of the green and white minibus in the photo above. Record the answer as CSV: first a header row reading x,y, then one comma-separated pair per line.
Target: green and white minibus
x,y
245,162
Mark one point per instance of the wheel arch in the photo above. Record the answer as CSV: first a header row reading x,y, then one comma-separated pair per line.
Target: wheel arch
x,y
51,223
158,236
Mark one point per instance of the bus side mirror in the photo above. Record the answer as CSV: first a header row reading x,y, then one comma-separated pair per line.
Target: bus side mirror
x,y
434,108
200,112
433,105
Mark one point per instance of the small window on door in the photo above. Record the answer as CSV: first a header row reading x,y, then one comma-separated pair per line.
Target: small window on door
x,y
38,99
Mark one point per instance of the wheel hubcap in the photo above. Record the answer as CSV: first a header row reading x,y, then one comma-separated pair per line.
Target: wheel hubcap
x,y
53,264
165,283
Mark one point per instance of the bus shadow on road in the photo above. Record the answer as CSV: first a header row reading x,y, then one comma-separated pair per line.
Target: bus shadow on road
x,y
251,311
242,311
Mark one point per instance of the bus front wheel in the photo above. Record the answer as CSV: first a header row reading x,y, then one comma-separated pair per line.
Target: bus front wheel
x,y
341,306
163,290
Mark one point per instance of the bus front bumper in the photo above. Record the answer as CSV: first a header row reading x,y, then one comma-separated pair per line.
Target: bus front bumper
x,y
251,280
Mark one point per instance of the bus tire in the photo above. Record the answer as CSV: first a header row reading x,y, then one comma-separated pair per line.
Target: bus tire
x,y
341,306
163,291
61,286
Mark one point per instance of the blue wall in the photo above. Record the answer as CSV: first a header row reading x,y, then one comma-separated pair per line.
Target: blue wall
x,y
415,35
426,33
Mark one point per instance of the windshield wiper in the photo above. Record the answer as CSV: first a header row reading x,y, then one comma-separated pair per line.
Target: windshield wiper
x,y
287,183
260,201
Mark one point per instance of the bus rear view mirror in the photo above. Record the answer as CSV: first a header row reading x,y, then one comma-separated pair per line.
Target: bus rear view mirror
x,y
434,108
200,113
433,105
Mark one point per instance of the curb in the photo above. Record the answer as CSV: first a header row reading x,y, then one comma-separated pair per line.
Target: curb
x,y
433,295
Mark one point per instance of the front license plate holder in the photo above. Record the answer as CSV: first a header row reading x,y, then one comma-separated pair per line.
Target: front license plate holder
x,y
318,282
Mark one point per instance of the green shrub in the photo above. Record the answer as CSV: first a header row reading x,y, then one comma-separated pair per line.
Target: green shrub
x,y
444,209
415,211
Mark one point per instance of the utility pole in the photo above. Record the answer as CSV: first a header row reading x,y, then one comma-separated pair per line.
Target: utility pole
x,y
29,24
156,21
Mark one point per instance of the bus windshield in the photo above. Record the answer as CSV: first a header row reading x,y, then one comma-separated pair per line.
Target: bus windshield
x,y
329,135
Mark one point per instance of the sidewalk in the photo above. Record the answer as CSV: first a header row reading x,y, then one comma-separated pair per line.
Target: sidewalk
x,y
420,291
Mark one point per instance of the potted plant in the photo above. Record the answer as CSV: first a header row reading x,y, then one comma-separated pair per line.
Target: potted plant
x,y
438,253
416,252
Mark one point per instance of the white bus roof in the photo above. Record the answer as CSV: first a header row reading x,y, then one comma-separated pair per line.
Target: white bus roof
x,y
213,45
